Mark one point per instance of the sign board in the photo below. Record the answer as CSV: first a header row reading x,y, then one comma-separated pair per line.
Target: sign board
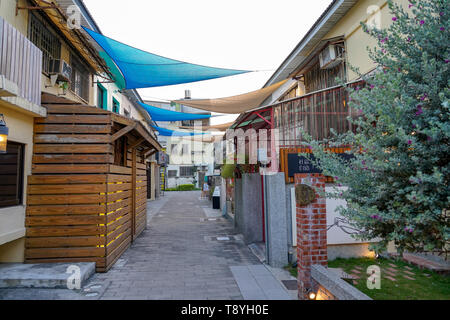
x,y
216,192
300,164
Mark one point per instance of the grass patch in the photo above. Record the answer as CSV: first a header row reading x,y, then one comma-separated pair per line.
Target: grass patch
x,y
428,285
292,270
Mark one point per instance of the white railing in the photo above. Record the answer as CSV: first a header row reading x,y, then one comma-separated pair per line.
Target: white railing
x,y
20,62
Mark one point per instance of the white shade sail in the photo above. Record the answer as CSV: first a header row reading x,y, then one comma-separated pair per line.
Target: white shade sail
x,y
236,104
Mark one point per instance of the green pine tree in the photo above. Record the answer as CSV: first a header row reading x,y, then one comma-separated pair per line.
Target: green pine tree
x,y
398,180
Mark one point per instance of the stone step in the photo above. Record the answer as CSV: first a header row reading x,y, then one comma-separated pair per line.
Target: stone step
x,y
43,275
424,263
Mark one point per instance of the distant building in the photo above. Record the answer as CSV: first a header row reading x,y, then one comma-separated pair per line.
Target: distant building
x,y
190,159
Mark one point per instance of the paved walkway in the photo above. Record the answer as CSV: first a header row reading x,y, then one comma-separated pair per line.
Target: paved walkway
x,y
186,253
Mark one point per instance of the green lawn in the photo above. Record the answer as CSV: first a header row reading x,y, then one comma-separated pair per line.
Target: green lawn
x,y
427,285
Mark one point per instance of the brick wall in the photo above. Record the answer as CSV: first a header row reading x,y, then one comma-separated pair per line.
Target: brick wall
x,y
311,233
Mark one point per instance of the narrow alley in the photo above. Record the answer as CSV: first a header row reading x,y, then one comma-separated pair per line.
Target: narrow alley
x,y
187,252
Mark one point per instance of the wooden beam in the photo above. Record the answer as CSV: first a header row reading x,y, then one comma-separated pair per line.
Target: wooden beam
x,y
133,195
122,132
136,144
150,154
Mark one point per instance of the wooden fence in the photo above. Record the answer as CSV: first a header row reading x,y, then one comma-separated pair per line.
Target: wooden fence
x,y
20,62
83,205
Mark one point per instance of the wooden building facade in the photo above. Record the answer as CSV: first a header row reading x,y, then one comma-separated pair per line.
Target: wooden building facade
x,y
87,194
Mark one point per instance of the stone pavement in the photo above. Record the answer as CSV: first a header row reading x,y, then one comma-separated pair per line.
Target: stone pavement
x,y
183,254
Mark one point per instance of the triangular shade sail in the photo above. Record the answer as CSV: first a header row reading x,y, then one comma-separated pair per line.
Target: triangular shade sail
x,y
143,69
235,104
159,114
171,133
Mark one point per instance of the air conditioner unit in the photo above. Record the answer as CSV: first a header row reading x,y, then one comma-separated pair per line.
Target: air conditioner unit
x,y
330,57
60,68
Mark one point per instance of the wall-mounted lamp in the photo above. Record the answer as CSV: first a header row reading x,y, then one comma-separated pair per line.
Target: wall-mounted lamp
x,y
312,295
4,131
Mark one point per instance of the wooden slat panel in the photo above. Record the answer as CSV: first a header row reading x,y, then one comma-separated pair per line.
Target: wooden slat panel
x,y
117,196
77,198
64,220
66,199
65,128
75,149
68,169
121,212
75,119
121,229
119,170
67,179
117,205
119,178
58,242
74,109
117,223
45,210
71,138
118,241
85,158
67,189
118,187
113,256
66,231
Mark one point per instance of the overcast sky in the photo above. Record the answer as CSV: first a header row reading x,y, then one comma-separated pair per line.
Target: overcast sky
x,y
236,34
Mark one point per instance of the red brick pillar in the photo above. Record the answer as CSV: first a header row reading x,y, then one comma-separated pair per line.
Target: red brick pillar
x,y
311,233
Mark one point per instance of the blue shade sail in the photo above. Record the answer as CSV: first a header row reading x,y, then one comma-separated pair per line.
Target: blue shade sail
x,y
171,133
143,69
159,114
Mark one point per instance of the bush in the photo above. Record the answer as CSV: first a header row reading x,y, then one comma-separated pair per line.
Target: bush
x,y
183,187
186,187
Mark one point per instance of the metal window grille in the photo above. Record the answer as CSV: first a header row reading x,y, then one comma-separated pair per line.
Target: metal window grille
x,y
172,173
41,35
80,78
186,171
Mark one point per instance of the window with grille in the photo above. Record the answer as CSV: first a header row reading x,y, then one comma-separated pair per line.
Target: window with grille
x,y
41,34
116,106
11,175
186,171
102,95
80,78
172,173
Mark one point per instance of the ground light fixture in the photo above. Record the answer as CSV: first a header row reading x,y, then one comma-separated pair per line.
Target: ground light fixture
x,y
312,295
4,131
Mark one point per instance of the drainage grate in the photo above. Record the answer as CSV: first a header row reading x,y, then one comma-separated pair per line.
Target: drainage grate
x,y
222,238
290,284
